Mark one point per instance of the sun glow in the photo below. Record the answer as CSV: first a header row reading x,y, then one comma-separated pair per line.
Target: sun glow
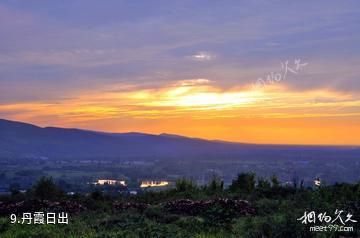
x,y
219,100
197,94
207,110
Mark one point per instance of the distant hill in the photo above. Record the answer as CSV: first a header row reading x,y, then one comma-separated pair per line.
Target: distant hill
x,y
19,139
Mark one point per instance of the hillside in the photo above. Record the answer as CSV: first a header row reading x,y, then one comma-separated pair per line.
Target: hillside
x,y
26,140
19,139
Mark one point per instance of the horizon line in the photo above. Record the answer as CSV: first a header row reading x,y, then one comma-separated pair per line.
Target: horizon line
x,y
183,136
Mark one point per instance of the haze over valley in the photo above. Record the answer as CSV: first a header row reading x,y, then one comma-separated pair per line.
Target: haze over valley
x,y
28,152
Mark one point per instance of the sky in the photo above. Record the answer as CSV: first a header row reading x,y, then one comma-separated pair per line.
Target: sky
x,y
278,72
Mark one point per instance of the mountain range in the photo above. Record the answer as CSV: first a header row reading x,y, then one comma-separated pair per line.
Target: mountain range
x,y
18,139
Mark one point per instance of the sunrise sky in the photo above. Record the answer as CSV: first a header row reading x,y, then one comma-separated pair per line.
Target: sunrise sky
x,y
193,68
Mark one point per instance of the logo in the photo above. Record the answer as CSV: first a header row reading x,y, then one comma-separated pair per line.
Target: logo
x,y
339,221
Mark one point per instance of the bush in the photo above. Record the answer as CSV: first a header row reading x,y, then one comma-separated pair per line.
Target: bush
x,y
45,188
245,183
185,185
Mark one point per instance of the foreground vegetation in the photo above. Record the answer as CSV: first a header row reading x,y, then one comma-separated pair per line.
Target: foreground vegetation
x,y
276,211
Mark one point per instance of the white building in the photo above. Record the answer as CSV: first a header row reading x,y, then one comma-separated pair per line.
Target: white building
x,y
110,182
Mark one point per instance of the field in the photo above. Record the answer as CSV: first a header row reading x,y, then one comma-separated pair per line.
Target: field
x,y
249,207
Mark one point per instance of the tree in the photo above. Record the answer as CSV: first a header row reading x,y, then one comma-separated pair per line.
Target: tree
x,y
245,183
215,185
45,188
275,181
184,185
14,188
263,183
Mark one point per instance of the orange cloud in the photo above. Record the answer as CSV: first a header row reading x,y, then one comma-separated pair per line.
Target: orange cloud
x,y
273,114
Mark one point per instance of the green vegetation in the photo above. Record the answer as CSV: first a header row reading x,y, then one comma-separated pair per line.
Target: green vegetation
x,y
277,210
45,188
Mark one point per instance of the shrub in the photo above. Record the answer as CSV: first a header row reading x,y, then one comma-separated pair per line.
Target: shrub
x,y
45,188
